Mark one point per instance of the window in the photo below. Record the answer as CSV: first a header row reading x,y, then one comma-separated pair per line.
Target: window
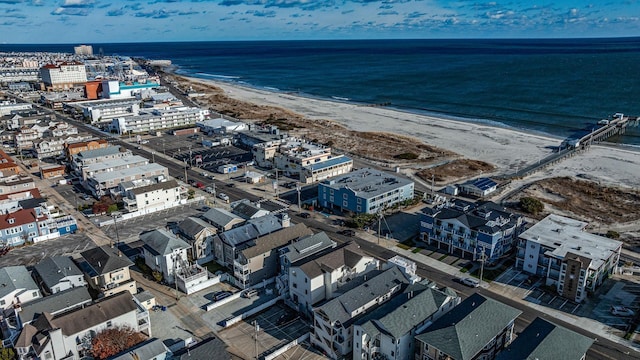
x,y
109,323
34,294
2,302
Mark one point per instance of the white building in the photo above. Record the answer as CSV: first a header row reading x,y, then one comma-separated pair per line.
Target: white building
x,y
58,273
102,183
156,119
83,50
16,287
312,280
164,252
569,258
6,107
221,126
102,111
68,335
154,196
63,76
114,89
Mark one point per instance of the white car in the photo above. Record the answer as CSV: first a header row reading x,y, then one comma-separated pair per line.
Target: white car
x,y
469,282
622,311
223,196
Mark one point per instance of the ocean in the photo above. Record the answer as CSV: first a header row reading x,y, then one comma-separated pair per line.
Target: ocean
x,y
559,87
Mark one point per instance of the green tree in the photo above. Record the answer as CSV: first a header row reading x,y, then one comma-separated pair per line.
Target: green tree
x,y
7,353
531,205
612,234
157,275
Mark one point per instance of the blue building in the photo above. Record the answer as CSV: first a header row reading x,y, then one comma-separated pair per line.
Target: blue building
x,y
466,229
364,191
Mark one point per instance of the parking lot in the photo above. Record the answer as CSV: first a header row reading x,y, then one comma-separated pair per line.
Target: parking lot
x,y
272,332
66,245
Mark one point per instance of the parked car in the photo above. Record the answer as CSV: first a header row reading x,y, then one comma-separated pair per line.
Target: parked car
x,y
250,293
468,282
209,189
622,311
286,319
221,295
347,232
305,215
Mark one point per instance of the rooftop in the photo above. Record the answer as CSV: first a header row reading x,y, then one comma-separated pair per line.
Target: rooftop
x,y
565,235
367,182
162,242
15,278
128,161
336,160
127,173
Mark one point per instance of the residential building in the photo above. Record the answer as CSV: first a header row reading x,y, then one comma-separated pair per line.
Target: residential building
x,y
52,171
152,349
545,340
478,328
312,280
333,321
258,260
18,188
19,226
210,348
16,287
58,273
72,149
302,249
7,107
14,319
222,219
63,76
570,259
227,244
92,156
248,210
296,157
18,74
68,335
153,196
165,253
470,230
106,270
364,191
109,165
8,166
103,111
83,50
388,331
199,234
157,119
103,183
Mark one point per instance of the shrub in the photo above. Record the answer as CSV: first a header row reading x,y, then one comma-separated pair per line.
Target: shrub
x,y
406,156
612,234
531,205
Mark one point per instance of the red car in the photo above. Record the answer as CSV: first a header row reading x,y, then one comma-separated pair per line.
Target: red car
x,y
200,185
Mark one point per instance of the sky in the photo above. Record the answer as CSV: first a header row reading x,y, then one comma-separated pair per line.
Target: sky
x,y
103,21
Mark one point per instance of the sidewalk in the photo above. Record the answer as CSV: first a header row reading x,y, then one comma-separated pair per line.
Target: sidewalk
x,y
505,290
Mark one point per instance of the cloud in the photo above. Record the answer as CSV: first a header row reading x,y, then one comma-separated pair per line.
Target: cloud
x,y
156,14
388,12
268,14
189,12
78,4
116,12
70,12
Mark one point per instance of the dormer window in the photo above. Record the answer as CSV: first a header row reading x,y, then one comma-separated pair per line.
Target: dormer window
x,y
12,220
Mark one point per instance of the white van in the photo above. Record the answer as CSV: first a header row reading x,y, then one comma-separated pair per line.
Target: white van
x,y
250,293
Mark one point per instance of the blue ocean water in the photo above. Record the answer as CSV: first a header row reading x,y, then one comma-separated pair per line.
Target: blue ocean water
x,y
560,87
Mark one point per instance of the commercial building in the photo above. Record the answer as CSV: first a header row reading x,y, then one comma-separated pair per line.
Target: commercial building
x,y
103,111
157,119
470,230
63,76
102,183
364,191
83,50
572,260
114,89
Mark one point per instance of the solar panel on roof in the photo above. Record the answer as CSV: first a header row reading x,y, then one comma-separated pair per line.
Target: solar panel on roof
x,y
484,183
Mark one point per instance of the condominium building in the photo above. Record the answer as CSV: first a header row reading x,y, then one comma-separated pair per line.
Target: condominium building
x,y
364,191
572,260
103,111
471,229
299,158
101,184
83,50
157,119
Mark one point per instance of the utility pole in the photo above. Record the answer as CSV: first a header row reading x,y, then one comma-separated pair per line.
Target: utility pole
x,y
115,215
153,156
482,264
214,193
379,223
186,180
276,183
256,328
298,188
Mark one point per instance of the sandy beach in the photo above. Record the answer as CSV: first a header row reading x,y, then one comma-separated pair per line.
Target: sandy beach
x,y
507,149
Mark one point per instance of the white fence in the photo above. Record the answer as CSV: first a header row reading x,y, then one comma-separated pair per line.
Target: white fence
x,y
134,214
288,346
252,311
46,237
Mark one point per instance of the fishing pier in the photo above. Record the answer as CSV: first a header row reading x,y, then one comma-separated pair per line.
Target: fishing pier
x,y
572,146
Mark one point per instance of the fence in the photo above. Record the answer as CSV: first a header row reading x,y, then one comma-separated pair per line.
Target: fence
x,y
286,347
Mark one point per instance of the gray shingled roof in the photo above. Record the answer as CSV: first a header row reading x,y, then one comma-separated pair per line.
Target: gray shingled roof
x,y
466,329
341,307
308,246
106,309
211,348
192,226
342,255
89,154
53,269
165,185
251,230
162,242
276,239
404,311
221,217
55,303
148,350
14,278
103,260
246,209
543,340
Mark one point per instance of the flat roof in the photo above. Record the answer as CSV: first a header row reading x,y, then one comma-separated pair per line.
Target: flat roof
x,y
125,173
367,182
563,235
121,161
337,160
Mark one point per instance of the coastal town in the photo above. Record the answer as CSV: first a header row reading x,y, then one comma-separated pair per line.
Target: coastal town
x,y
148,215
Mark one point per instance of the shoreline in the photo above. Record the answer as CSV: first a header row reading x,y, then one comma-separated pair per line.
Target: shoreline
x,y
506,148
